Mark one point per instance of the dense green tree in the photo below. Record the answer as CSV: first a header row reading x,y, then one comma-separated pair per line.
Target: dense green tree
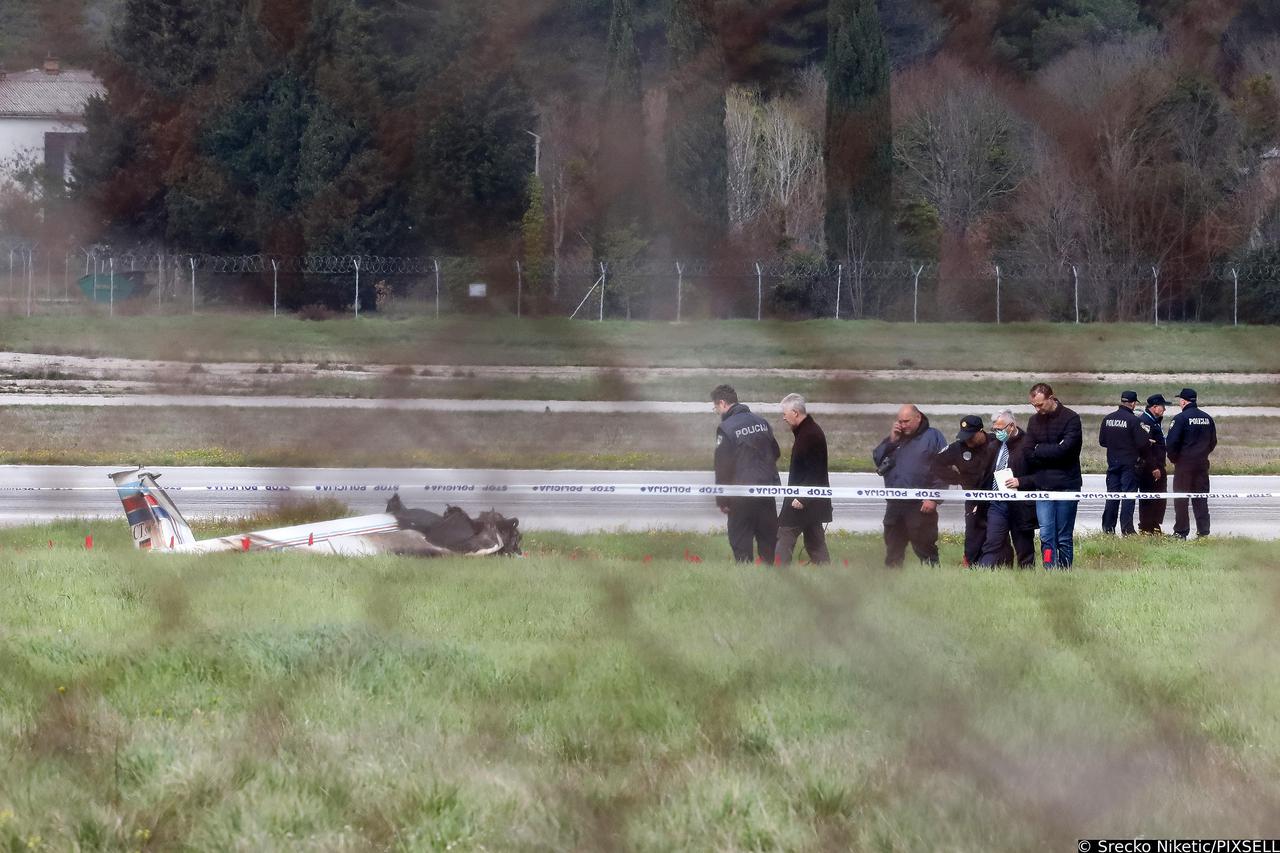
x,y
622,169
472,159
695,140
533,247
1031,33
858,147
766,42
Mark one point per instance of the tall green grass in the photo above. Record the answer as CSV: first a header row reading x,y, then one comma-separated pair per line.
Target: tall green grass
x,y
609,692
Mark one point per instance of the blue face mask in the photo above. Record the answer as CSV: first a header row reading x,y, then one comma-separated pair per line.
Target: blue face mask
x,y
1002,435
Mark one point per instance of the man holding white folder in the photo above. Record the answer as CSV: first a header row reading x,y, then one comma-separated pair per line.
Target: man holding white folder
x,y
1007,520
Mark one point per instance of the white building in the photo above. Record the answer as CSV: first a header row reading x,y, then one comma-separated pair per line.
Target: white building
x,y
42,116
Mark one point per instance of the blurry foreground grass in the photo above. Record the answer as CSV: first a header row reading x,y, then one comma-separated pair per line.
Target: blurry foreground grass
x,y
611,692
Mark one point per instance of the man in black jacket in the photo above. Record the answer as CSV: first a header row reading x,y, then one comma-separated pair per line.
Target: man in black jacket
x,y
905,460
966,462
1122,435
1153,476
1192,437
1010,520
746,455
1055,437
804,516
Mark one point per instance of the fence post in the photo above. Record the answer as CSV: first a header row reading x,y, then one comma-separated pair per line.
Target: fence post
x,y
603,279
679,288
1075,278
436,263
111,311
159,281
997,294
759,291
66,277
275,287
915,302
839,285
1235,297
192,260
519,288
355,262
1155,293
31,272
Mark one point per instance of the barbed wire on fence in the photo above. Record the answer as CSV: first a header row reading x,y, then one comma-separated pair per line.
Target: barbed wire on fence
x,y
154,259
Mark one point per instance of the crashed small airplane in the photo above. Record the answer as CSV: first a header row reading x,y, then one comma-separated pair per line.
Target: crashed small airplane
x,y
158,526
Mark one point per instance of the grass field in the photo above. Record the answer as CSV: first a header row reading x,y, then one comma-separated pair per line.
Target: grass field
x,y
621,386
307,438
585,698
737,343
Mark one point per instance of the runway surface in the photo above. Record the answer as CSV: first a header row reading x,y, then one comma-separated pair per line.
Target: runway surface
x,y
24,498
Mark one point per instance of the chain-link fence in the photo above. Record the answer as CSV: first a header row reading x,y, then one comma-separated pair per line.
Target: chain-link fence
x,y
36,281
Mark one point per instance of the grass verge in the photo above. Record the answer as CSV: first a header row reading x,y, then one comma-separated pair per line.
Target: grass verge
x,y
358,438
587,698
1039,347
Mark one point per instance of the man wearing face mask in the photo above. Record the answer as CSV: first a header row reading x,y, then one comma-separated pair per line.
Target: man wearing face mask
x,y
1010,520
1154,475
966,462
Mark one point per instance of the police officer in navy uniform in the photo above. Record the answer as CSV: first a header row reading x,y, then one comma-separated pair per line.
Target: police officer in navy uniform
x,y
746,455
1192,437
966,462
1153,476
1126,442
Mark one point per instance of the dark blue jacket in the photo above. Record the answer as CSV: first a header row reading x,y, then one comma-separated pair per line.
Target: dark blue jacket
x,y
1155,441
746,451
1124,438
912,458
1192,437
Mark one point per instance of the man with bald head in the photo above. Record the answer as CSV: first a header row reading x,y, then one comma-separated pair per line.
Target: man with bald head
x,y
905,460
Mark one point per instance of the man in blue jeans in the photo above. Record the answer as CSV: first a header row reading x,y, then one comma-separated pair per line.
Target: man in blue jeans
x,y
1054,438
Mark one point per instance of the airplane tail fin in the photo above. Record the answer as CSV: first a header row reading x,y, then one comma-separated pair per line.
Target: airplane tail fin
x,y
156,523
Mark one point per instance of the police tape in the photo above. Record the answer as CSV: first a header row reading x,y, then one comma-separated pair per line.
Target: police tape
x,y
668,490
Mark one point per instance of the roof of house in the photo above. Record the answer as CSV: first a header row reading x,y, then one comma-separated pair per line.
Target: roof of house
x,y
40,94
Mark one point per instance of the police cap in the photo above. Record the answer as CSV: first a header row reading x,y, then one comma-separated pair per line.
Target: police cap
x,y
970,425
1156,400
1128,396
1188,394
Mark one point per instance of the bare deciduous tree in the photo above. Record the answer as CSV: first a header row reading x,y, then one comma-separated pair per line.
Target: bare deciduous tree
x,y
742,132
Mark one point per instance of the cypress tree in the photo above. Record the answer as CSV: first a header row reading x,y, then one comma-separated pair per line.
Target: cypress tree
x,y
858,152
621,177
696,146
533,239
